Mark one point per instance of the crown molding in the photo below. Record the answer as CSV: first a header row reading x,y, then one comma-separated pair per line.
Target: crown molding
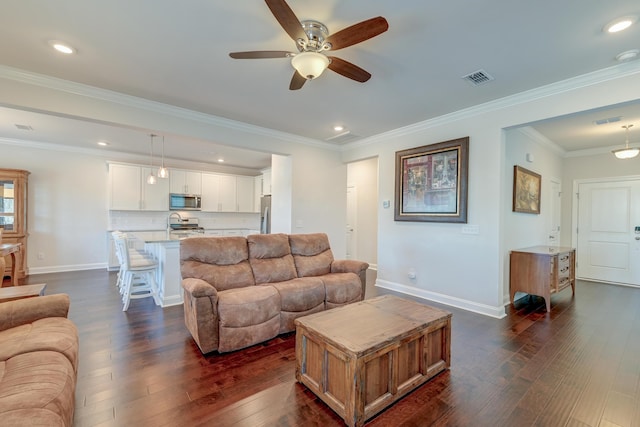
x,y
540,139
589,79
54,83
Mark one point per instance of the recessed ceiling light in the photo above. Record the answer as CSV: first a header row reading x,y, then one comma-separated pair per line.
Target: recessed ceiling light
x,y
103,143
338,128
220,160
620,24
628,55
61,46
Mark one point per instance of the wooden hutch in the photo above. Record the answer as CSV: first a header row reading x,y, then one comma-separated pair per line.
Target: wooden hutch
x,y
13,216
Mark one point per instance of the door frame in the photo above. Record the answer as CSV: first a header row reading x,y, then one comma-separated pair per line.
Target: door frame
x,y
575,204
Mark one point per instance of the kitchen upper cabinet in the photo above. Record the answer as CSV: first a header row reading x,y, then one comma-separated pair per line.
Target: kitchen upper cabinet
x,y
210,192
227,194
266,182
219,193
129,191
245,194
185,182
155,197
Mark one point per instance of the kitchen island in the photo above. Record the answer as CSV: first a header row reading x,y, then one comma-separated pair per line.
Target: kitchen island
x,y
166,249
167,252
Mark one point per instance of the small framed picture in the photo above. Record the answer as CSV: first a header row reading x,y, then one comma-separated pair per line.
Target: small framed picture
x,y
526,190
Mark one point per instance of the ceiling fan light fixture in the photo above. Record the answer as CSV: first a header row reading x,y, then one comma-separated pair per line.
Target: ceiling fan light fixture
x,y
626,152
310,64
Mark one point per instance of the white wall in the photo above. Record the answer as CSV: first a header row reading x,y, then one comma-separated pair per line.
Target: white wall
x,y
468,270
522,230
67,208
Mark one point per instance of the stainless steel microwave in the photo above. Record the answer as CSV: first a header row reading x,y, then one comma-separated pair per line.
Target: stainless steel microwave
x,y
185,202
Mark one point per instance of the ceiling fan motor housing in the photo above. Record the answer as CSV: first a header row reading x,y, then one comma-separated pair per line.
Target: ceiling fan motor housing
x,y
316,33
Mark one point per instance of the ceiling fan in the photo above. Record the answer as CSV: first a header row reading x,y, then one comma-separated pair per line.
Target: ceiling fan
x,y
312,40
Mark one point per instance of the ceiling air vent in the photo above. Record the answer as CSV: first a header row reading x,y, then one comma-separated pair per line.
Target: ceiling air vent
x,y
608,120
24,127
343,137
478,78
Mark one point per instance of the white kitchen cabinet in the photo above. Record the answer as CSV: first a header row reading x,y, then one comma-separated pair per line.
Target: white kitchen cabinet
x,y
245,194
210,192
155,197
227,197
219,193
185,182
128,189
266,182
257,193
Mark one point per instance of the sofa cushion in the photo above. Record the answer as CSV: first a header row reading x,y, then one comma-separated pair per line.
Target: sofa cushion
x,y
270,258
247,316
37,388
248,306
220,261
311,254
342,288
57,334
300,294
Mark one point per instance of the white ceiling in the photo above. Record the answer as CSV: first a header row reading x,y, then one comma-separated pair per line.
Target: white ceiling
x,y
177,53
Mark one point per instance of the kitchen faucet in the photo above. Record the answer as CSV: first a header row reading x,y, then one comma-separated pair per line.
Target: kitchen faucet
x,y
169,218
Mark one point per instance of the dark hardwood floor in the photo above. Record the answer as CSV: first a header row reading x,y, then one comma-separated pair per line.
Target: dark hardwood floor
x,y
578,365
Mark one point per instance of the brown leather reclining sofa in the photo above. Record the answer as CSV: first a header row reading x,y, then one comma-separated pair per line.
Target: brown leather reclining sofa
x,y
38,362
242,291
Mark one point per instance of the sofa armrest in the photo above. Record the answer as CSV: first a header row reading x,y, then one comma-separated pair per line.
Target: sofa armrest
x,y
28,310
201,313
199,288
349,266
352,266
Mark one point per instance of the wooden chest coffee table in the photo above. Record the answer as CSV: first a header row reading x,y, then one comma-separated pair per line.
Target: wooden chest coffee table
x,y
363,357
24,291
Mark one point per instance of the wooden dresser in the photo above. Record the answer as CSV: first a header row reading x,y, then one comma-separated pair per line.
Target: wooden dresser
x,y
542,271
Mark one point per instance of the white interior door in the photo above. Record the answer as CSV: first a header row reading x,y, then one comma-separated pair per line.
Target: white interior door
x,y
352,215
608,248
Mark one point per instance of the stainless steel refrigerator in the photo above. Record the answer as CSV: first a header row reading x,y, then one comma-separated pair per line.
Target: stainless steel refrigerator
x,y
265,215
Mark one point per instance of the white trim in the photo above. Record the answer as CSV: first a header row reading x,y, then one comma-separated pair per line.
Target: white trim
x,y
65,268
487,310
589,79
74,88
171,301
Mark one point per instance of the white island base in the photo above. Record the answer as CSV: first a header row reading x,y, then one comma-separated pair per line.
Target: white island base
x,y
167,252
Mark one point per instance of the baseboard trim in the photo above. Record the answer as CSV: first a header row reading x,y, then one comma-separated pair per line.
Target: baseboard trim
x,y
486,310
65,268
171,301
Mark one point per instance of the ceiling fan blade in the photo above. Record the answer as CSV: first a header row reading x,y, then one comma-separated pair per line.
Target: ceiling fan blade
x,y
297,81
358,33
348,69
260,54
287,19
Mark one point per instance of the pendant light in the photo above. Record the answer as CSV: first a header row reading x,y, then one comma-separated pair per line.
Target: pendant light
x,y
626,152
151,179
163,172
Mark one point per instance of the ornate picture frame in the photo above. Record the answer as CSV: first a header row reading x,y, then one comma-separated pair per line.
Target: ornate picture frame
x,y
527,186
431,182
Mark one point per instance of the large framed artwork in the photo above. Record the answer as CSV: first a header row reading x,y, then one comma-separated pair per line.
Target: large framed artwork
x,y
526,190
431,182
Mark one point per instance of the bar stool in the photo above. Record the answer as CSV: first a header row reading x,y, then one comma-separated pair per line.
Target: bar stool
x,y
137,272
